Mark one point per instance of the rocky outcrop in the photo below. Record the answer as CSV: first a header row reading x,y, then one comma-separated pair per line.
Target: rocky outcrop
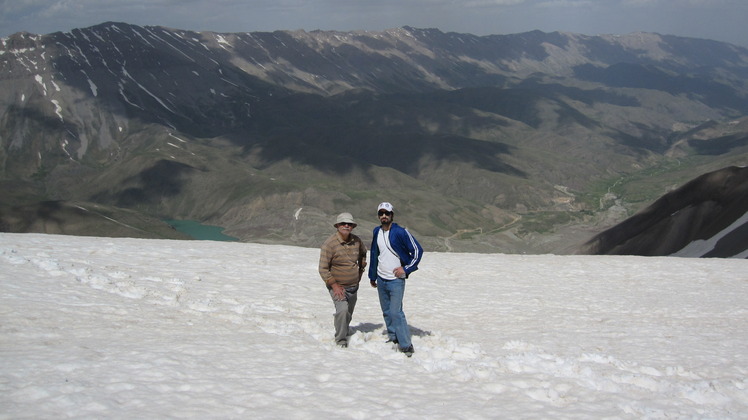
x,y
707,217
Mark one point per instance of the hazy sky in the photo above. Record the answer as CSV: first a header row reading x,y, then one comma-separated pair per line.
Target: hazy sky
x,y
722,20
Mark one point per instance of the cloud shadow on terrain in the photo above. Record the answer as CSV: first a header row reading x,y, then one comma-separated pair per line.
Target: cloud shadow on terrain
x,y
43,213
162,179
342,133
638,76
19,113
719,145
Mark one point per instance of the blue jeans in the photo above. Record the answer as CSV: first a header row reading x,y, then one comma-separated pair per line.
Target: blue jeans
x,y
391,300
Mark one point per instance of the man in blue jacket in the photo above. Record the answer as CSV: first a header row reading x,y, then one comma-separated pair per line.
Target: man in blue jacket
x,y
395,254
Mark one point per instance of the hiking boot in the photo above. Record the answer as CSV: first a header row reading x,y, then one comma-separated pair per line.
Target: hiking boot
x,y
407,350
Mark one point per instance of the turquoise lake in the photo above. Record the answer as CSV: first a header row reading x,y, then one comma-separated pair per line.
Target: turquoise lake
x,y
200,231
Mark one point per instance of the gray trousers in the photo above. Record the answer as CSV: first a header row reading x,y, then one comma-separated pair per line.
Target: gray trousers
x,y
344,313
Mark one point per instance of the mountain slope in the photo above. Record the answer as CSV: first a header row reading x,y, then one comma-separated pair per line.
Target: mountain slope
x,y
707,217
483,143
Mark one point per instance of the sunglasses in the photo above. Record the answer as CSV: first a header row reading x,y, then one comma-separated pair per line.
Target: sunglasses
x,y
385,213
345,224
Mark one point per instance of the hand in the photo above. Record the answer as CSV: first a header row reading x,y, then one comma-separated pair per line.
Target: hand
x,y
373,283
399,272
338,291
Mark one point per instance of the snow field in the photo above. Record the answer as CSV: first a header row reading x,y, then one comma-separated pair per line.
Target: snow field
x,y
129,328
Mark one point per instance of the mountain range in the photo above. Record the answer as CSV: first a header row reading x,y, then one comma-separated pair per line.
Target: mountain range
x,y
533,142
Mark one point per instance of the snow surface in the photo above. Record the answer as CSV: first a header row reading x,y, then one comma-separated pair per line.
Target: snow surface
x,y
132,328
702,247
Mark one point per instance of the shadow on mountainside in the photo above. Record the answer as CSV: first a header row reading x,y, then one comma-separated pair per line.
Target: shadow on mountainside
x,y
338,136
163,179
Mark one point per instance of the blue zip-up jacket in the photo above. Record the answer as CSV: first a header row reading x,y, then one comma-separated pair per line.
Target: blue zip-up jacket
x,y
404,245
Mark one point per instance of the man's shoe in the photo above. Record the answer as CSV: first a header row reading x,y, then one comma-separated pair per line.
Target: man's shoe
x,y
392,340
407,350
343,345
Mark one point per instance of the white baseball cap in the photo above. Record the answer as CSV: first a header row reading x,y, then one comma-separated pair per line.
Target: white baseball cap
x,y
386,206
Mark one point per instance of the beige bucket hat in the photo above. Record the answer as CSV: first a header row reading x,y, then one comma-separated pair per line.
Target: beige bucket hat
x,y
345,218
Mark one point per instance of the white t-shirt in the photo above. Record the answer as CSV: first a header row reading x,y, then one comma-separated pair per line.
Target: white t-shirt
x,y
388,261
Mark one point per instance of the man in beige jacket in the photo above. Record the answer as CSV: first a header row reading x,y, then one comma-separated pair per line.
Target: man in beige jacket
x,y
342,260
